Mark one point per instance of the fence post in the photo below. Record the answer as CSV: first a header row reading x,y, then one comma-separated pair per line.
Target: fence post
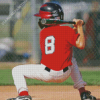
x,y
36,54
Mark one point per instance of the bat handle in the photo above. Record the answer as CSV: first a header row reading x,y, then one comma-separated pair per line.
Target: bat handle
x,y
75,22
71,22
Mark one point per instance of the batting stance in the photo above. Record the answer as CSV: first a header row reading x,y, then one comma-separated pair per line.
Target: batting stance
x,y
57,63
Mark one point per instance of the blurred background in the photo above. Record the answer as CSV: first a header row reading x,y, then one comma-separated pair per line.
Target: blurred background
x,y
19,31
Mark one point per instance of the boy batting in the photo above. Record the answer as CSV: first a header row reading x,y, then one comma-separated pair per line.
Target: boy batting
x,y
57,63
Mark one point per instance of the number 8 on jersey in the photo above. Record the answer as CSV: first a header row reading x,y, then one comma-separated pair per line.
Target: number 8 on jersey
x,y
49,45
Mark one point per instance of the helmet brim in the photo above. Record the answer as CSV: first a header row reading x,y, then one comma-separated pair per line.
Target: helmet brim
x,y
37,15
43,15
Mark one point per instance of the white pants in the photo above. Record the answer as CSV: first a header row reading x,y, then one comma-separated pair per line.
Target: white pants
x,y
37,71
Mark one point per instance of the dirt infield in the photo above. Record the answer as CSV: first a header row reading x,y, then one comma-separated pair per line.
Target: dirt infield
x,y
49,92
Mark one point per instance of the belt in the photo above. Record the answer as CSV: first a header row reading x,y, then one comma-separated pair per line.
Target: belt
x,y
48,69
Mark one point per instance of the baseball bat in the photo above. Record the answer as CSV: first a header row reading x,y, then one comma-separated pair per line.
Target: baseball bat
x,y
56,21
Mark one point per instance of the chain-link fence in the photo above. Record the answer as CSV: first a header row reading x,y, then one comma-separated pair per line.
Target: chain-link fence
x,y
15,30
20,27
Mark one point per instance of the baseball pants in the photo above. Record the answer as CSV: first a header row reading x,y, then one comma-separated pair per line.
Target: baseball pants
x,y
39,72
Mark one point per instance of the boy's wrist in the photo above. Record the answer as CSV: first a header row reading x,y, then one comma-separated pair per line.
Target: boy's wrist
x,y
79,26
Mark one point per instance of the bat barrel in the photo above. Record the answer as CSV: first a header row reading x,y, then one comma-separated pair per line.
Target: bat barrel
x,y
51,21
43,21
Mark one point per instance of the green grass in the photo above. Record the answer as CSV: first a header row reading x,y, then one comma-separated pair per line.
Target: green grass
x,y
6,77
91,77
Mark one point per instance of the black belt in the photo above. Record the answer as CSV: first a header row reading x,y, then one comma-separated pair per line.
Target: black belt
x,y
48,69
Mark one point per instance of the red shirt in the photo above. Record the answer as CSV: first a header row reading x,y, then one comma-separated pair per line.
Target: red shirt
x,y
56,44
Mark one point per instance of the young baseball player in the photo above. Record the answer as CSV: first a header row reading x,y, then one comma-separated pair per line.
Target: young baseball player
x,y
57,63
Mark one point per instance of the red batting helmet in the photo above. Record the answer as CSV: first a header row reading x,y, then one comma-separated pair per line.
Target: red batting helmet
x,y
50,10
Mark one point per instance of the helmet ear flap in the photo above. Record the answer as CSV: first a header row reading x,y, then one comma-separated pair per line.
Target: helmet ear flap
x,y
62,17
40,24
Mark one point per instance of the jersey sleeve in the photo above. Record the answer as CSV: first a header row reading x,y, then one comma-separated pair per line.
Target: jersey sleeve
x,y
72,36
